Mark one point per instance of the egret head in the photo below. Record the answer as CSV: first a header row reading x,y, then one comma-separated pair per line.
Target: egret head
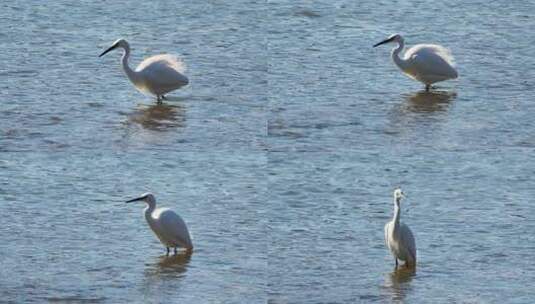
x,y
398,194
393,38
146,197
118,43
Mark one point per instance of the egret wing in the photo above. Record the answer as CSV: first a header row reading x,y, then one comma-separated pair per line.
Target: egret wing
x,y
431,49
431,60
387,231
175,228
166,59
163,71
407,238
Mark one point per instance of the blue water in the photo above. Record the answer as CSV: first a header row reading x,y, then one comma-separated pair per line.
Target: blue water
x,y
281,155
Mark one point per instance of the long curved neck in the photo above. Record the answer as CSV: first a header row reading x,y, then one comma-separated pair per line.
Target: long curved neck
x,y
401,63
132,75
148,211
397,214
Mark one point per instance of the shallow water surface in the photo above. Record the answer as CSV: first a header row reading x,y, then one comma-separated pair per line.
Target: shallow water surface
x,y
281,156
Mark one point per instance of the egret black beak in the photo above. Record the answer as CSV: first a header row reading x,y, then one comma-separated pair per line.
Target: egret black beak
x,y
109,49
384,41
136,199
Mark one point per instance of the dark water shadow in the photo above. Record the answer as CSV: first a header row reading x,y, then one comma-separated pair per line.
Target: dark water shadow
x,y
175,99
419,111
305,12
398,282
165,275
173,265
159,117
426,102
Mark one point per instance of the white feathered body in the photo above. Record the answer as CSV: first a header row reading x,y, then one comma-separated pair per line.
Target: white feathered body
x,y
400,242
428,63
160,74
168,227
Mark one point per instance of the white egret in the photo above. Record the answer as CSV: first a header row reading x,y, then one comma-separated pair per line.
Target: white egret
x,y
427,63
398,236
166,224
157,75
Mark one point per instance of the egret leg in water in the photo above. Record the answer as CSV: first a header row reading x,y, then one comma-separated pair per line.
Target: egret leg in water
x,y
168,226
156,75
398,236
160,98
426,63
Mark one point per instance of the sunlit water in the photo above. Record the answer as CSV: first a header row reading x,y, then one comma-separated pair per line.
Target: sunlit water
x,y
281,155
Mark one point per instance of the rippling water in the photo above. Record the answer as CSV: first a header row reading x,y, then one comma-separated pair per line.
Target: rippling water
x,y
281,155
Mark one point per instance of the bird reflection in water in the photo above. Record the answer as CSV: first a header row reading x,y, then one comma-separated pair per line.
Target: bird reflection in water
x,y
398,282
432,101
418,110
165,274
159,117
172,265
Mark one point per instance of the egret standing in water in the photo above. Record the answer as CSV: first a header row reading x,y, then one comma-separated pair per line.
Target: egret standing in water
x,y
427,63
157,75
398,236
166,224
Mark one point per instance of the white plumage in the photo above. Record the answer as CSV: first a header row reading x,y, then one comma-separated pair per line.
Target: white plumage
x,y
398,236
435,49
168,226
166,60
427,63
157,75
